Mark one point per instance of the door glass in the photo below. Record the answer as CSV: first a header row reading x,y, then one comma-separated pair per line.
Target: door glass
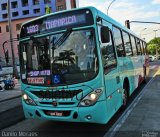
x,y
108,55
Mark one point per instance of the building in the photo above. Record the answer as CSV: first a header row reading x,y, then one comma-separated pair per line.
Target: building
x,y
22,11
66,4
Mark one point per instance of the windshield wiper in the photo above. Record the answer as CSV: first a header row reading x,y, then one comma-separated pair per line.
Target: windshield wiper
x,y
34,39
62,38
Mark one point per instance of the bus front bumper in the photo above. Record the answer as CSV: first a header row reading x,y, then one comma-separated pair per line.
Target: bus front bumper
x,y
92,114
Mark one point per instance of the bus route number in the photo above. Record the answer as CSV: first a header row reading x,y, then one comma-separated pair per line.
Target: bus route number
x,y
32,29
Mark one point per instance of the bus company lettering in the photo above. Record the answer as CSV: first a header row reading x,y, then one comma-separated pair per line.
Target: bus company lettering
x,y
60,22
35,80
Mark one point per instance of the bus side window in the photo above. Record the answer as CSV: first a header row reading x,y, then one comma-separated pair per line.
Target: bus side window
x,y
142,47
108,55
142,52
127,44
138,47
118,42
134,48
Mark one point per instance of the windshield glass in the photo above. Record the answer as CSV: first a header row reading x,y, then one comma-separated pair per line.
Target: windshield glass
x,y
64,58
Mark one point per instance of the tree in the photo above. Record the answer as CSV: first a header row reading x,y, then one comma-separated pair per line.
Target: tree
x,y
151,49
153,46
48,9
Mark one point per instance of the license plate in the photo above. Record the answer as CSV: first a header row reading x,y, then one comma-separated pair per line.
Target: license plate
x,y
55,113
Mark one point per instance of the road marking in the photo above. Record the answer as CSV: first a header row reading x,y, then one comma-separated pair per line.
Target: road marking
x,y
117,125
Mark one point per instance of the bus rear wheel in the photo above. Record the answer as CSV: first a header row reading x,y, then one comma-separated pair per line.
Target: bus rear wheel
x,y
145,77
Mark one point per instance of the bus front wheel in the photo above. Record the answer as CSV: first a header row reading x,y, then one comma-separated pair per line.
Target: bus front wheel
x,y
125,97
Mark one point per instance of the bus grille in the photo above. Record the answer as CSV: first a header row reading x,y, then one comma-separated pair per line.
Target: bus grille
x,y
57,94
59,103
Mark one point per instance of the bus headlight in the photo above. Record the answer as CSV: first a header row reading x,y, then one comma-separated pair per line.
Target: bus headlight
x,y
28,100
91,98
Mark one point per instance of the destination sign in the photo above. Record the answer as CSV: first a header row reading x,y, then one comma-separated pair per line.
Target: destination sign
x,y
64,21
57,22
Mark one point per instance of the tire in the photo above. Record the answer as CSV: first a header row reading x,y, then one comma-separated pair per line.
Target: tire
x,y
125,97
6,87
145,77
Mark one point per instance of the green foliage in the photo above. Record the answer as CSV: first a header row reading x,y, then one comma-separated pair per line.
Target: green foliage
x,y
48,9
151,49
153,45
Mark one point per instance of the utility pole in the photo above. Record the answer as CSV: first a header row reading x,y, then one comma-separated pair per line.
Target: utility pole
x,y
110,5
15,72
142,31
155,32
156,45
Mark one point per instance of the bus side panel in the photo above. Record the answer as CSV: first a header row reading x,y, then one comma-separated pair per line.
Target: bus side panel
x,y
139,70
114,97
129,72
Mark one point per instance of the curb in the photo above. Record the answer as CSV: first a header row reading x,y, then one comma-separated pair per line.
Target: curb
x,y
10,98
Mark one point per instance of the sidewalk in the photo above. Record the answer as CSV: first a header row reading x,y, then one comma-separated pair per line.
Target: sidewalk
x,y
144,119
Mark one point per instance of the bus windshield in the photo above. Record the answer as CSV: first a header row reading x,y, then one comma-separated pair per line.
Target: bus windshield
x,y
62,58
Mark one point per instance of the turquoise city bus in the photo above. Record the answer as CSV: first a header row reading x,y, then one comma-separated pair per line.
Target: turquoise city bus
x,y
79,66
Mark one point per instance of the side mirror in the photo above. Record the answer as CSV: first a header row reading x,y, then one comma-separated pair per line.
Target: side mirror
x,y
105,37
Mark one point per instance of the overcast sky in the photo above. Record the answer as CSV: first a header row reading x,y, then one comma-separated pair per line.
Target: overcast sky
x,y
134,10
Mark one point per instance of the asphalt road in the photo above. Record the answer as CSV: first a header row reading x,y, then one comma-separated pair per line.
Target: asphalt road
x,y
63,129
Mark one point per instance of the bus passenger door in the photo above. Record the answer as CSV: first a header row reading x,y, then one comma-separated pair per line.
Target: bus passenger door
x,y
111,76
138,64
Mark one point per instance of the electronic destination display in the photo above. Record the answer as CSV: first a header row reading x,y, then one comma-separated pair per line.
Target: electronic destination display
x,y
57,22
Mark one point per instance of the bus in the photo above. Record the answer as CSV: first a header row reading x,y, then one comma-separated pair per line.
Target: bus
x,y
79,65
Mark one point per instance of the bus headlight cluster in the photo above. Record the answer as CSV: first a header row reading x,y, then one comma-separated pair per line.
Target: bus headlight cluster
x,y
91,98
28,100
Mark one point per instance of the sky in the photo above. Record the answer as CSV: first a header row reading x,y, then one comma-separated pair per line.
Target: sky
x,y
133,10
